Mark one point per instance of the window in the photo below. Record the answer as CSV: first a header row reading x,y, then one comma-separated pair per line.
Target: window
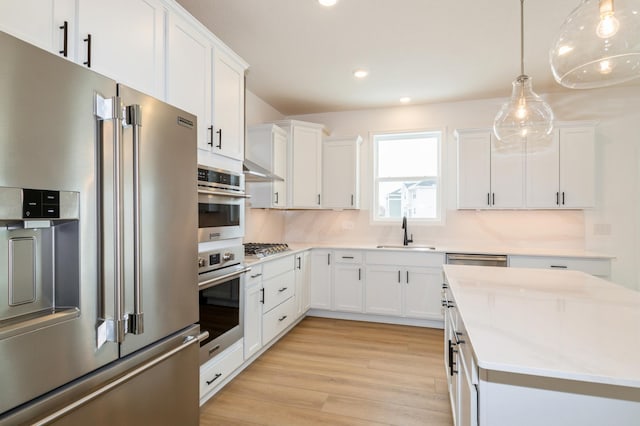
x,y
406,176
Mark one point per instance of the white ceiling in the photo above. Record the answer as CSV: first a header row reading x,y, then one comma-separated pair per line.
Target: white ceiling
x,y
302,55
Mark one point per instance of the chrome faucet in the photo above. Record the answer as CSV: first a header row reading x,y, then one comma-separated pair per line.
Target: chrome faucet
x,y
406,240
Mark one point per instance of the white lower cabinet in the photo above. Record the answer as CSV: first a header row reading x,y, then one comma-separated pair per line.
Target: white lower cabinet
x,y
278,319
302,276
404,284
321,278
380,282
219,368
278,289
600,267
422,293
279,305
253,312
348,281
384,290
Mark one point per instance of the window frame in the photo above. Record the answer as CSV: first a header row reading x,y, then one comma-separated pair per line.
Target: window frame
x,y
375,179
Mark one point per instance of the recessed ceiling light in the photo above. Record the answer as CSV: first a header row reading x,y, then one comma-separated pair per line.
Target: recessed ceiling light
x,y
327,2
405,99
360,73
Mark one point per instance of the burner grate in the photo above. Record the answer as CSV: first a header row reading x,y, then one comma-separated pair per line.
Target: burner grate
x,y
264,249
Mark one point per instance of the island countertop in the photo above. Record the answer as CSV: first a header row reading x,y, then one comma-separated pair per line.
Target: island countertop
x,y
561,324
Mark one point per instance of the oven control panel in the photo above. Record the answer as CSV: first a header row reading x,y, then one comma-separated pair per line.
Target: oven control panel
x,y
220,258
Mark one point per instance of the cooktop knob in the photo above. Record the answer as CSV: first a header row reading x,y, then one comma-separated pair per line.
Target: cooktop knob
x,y
202,262
228,256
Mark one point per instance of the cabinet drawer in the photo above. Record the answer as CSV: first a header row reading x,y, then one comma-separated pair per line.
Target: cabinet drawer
x,y
253,277
466,352
278,319
219,368
346,256
278,289
276,267
409,258
599,267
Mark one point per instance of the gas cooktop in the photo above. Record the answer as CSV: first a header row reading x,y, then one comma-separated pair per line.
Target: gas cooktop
x,y
264,249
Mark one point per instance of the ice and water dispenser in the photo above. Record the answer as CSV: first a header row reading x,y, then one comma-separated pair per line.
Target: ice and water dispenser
x,y
39,258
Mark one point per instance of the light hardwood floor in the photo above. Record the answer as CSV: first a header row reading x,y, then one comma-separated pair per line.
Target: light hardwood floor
x,y
334,372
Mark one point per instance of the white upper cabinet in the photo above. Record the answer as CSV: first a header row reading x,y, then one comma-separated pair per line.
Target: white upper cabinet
x,y
41,23
124,40
267,146
577,167
543,173
557,172
153,46
474,170
561,171
228,105
189,74
305,163
206,79
490,175
90,34
341,173
507,174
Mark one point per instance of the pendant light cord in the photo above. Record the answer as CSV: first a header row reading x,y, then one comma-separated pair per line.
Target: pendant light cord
x,y
521,37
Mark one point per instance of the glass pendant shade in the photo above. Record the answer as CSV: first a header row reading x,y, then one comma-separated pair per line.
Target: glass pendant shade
x,y
598,45
525,115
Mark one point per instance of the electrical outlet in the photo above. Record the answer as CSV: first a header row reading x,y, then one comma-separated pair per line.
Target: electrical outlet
x,y
347,224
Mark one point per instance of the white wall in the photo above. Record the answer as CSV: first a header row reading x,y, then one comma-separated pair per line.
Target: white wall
x,y
612,227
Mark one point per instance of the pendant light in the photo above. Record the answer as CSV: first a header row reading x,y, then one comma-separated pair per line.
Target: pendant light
x,y
598,45
525,115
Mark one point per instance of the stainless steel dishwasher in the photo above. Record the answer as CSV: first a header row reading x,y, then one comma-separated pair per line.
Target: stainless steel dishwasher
x,y
476,259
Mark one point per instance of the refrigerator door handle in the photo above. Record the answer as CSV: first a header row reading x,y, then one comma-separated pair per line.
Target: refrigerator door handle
x,y
136,320
113,329
187,342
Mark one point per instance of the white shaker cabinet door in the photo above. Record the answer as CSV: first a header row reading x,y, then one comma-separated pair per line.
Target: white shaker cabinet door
x,y
306,179
422,296
348,287
189,74
384,290
228,106
543,172
474,170
124,40
577,167
40,22
341,173
507,174
253,319
321,276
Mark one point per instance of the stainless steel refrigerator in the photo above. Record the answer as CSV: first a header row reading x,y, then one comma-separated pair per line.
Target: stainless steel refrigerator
x,y
98,248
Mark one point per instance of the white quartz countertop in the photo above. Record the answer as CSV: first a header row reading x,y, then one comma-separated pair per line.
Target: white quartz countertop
x,y
561,324
464,248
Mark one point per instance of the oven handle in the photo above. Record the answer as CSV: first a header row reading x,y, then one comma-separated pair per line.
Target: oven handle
x,y
223,193
222,278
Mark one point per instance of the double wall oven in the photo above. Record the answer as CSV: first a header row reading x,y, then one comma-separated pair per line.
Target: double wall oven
x,y
220,204
221,269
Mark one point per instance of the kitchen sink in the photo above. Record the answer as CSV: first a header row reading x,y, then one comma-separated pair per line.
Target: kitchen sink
x,y
410,247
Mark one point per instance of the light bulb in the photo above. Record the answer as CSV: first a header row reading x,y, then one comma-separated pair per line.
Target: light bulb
x,y
608,25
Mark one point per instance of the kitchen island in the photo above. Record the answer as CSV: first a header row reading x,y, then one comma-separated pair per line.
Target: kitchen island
x,y
531,347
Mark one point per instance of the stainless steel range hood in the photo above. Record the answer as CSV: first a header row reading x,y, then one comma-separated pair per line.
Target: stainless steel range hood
x,y
256,173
